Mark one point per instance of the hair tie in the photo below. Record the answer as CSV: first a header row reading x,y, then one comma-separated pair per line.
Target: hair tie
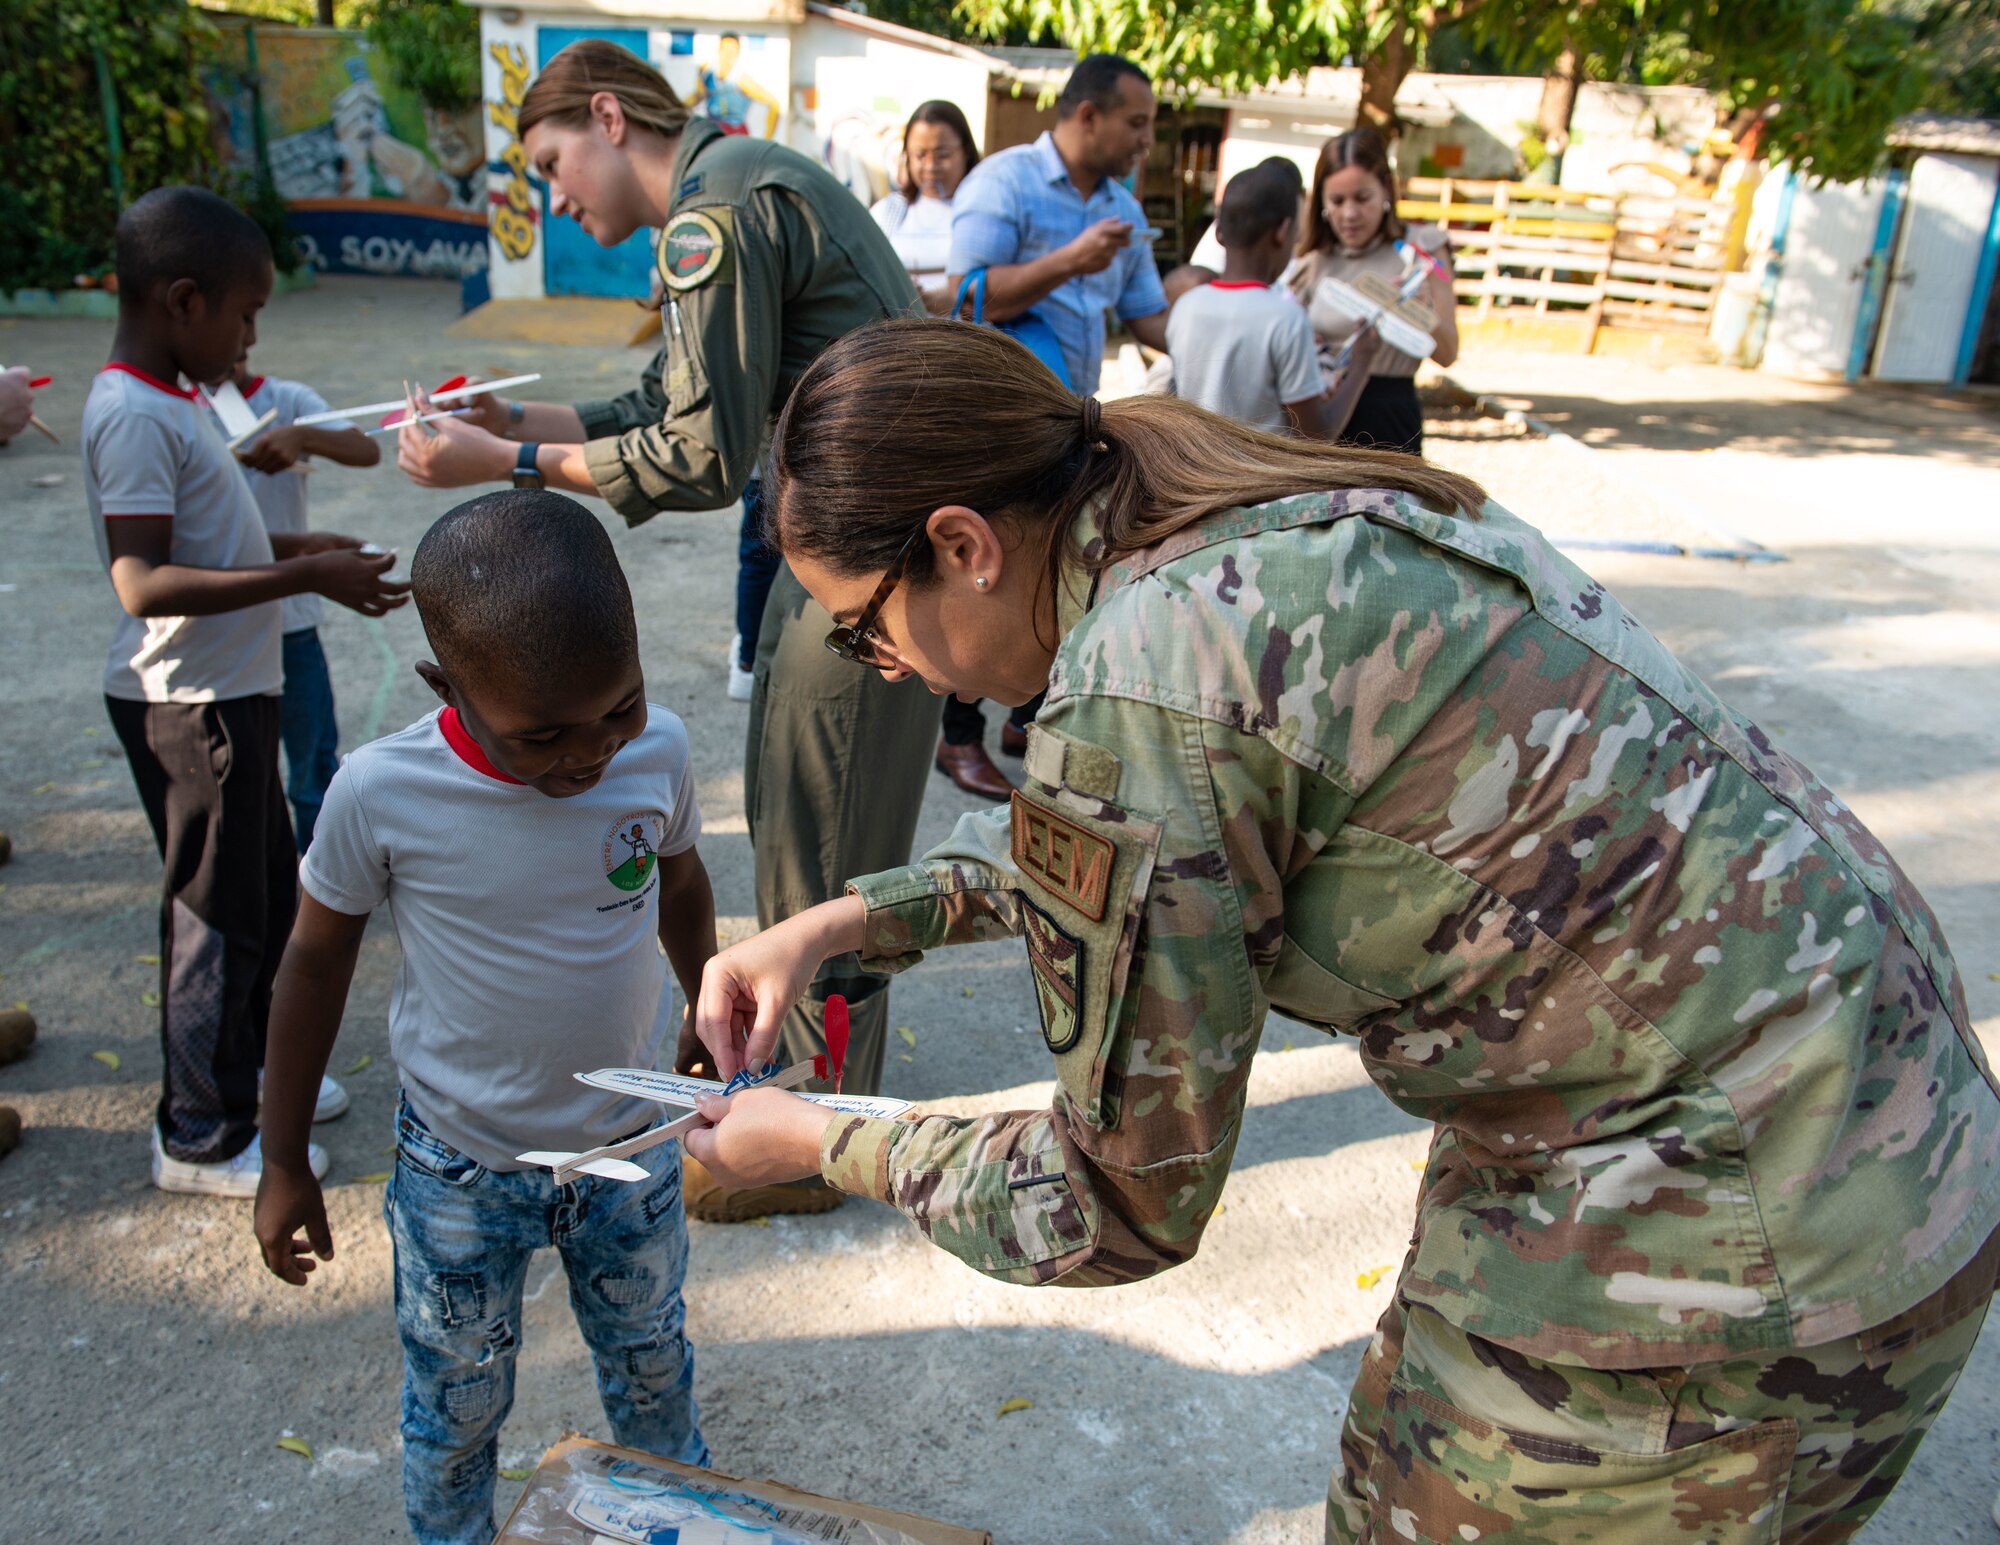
x,y
1093,419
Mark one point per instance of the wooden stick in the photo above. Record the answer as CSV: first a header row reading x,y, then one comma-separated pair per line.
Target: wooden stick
x,y
45,429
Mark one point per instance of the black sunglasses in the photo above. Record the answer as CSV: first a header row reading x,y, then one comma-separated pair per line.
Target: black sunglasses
x,y
852,642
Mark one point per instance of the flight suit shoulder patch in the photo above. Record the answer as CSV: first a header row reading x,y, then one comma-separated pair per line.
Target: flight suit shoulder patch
x,y
1056,957
1071,861
698,248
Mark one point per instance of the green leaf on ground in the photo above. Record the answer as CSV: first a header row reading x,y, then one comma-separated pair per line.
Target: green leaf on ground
x,y
299,1446
1368,1279
909,1036
507,1474
150,999
966,990
108,1058
375,1179
903,1056
147,960
361,1062
44,788
96,761
1016,1403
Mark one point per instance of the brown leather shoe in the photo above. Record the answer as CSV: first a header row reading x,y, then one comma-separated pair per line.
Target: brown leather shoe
x,y
1013,739
711,1201
972,769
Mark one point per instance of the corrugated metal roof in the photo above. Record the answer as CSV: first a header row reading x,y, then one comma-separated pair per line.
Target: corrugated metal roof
x,y
1935,131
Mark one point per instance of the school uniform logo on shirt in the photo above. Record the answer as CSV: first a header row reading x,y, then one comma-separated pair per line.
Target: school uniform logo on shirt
x,y
632,848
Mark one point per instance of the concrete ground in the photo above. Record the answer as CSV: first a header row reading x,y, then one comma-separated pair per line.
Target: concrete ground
x,y
148,1364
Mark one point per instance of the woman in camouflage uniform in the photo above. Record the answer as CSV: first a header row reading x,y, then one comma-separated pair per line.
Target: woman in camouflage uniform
x,y
1708,1225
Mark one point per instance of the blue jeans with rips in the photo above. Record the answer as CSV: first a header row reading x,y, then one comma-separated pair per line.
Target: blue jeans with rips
x,y
308,729
463,1236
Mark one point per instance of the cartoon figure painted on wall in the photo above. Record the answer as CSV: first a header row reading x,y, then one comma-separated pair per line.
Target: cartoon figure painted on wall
x,y
713,78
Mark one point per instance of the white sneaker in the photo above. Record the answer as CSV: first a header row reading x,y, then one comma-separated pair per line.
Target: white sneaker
x,y
332,1099
233,1177
740,680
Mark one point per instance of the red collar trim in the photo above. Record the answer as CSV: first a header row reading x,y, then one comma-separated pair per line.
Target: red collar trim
x,y
153,381
1236,284
253,388
457,737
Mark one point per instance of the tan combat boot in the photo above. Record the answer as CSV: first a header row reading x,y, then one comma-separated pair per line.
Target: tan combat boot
x,y
711,1201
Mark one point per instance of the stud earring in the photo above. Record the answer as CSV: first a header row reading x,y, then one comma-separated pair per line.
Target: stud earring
x,y
980,581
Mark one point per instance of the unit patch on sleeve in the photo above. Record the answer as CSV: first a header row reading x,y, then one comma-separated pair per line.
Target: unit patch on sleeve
x,y
1073,863
695,248
1057,960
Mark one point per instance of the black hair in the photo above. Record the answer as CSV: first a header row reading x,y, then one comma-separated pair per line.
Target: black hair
x,y
1287,168
942,115
183,232
1095,80
1254,205
522,586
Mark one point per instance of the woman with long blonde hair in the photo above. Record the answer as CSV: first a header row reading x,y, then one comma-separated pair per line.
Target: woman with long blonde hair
x,y
1708,1227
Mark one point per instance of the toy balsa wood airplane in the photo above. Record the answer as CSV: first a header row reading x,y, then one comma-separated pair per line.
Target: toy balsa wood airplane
x,y
614,1162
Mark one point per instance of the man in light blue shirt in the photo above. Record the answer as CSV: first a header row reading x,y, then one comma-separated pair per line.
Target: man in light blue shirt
x,y
1056,231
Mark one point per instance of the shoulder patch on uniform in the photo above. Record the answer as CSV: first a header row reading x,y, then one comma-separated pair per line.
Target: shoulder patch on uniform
x,y
1071,862
694,248
1057,959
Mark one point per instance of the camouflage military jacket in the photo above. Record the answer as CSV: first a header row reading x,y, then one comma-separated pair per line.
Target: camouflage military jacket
x,y
765,260
1698,1058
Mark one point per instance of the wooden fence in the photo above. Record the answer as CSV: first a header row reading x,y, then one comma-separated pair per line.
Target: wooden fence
x,y
1592,260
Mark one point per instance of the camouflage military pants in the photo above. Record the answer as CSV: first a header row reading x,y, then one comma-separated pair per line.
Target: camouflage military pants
x,y
1451,1438
833,779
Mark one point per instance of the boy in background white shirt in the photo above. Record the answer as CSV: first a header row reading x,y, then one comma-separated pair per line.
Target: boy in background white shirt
x,y
534,842
1239,347
273,462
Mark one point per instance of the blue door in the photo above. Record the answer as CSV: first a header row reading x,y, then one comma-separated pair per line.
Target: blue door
x,y
572,263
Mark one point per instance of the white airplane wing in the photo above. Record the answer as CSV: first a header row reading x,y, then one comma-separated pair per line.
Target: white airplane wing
x,y
664,1088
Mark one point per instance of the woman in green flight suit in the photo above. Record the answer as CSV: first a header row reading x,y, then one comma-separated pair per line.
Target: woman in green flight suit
x,y
765,259
1709,1223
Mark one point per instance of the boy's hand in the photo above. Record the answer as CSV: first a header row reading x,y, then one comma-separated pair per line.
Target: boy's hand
x,y
289,1200
356,580
275,450
324,542
690,1056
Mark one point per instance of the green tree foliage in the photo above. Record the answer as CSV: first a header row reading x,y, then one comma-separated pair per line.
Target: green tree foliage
x,y
432,45
57,207
1835,74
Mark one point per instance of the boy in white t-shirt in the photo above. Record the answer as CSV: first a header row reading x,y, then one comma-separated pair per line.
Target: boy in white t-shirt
x,y
274,461
194,675
534,842
1239,347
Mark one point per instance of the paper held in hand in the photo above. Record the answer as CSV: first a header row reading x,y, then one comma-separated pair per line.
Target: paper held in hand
x,y
1402,323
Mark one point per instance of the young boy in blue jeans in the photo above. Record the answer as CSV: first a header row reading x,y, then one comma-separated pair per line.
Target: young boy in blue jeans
x,y
525,839
307,727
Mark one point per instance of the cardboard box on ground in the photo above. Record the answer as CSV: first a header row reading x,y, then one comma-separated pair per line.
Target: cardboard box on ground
x,y
584,1492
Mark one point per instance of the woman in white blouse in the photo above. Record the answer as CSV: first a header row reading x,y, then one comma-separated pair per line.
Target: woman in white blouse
x,y
937,153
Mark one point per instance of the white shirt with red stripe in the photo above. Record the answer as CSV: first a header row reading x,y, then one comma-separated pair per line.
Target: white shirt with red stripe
x,y
529,926
281,496
150,449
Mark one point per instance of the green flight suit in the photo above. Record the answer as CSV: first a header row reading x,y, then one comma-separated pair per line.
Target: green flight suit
x,y
766,260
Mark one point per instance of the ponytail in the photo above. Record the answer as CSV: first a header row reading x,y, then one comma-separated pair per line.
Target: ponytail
x,y
902,417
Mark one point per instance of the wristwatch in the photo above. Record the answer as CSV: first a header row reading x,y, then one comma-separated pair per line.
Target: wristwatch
x,y
526,473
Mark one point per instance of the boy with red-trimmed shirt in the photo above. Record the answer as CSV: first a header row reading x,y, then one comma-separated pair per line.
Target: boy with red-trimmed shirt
x,y
194,675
